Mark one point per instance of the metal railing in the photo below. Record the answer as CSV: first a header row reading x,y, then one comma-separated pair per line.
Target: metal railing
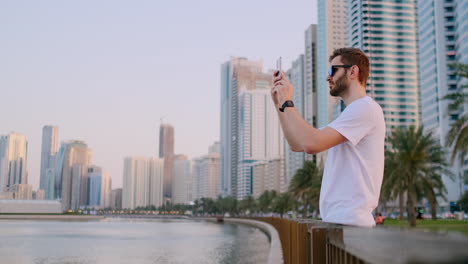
x,y
313,241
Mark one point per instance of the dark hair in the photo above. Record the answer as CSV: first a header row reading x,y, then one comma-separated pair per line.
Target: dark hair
x,y
354,56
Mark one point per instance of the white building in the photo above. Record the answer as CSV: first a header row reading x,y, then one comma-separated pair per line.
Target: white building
x,y
237,74
48,152
182,180
143,182
13,161
443,40
260,134
206,176
155,175
268,176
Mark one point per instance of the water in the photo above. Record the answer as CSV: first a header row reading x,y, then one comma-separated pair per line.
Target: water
x,y
130,241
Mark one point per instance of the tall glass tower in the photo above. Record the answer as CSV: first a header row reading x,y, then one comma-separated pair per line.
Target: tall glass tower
x,y
48,151
443,40
386,31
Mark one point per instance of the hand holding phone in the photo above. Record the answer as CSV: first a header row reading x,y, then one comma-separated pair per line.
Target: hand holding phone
x,y
278,67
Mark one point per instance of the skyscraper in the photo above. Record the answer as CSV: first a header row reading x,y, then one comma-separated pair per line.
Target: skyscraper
x,y
116,198
237,74
260,135
72,174
296,75
386,31
443,40
166,152
155,174
182,181
99,188
206,176
13,161
142,182
48,151
331,34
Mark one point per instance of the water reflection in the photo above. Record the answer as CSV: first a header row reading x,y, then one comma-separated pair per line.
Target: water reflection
x,y
130,241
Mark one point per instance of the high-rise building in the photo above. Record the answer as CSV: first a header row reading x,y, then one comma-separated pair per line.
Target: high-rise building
x,y
237,74
135,183
296,75
71,181
331,34
142,182
260,134
166,152
50,184
155,174
387,32
310,82
310,76
182,180
116,199
40,195
99,188
215,148
443,40
13,161
206,176
268,176
22,191
48,151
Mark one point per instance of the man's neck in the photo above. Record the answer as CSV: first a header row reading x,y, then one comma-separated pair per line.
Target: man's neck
x,y
353,93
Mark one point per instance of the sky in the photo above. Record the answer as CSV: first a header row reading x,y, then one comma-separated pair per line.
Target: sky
x,y
106,72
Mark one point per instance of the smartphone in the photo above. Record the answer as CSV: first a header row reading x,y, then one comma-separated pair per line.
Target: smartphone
x,y
278,67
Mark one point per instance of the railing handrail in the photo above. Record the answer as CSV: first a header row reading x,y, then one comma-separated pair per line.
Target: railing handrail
x,y
333,243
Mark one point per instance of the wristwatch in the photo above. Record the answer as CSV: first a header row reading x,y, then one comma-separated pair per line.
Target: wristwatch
x,y
288,103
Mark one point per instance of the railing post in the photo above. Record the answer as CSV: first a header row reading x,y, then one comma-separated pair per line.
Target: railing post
x,y
318,243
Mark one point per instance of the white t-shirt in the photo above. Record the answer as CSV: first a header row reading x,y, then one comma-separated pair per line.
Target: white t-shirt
x,y
354,170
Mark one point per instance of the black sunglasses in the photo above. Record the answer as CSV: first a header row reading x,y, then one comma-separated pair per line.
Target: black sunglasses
x,y
334,68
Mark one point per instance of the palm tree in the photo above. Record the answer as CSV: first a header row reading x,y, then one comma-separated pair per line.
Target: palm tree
x,y
207,205
305,186
265,201
393,184
248,204
458,133
415,163
283,203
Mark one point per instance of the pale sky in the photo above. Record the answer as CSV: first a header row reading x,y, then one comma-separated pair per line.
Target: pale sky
x,y
106,71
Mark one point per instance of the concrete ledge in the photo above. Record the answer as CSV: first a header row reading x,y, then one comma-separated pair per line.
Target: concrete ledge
x,y
51,217
275,256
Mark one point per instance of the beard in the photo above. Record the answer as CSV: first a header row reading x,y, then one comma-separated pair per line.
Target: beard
x,y
340,86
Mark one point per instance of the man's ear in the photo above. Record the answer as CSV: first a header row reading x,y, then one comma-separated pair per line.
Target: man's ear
x,y
355,71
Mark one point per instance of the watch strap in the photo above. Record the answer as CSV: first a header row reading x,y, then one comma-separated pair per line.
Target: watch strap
x,y
287,103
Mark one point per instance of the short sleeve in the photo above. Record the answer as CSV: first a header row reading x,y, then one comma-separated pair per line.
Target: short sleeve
x,y
355,122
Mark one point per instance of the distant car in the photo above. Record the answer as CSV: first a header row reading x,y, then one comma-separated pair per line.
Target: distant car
x,y
426,216
448,215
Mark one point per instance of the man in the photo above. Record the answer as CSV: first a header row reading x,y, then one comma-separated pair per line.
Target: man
x,y
355,140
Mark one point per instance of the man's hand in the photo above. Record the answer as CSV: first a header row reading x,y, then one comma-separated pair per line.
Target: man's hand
x,y
282,90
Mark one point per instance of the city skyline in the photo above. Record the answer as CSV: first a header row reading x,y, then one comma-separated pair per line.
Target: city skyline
x,y
106,81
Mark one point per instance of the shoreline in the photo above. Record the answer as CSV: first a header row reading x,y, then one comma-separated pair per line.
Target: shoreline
x,y
50,217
